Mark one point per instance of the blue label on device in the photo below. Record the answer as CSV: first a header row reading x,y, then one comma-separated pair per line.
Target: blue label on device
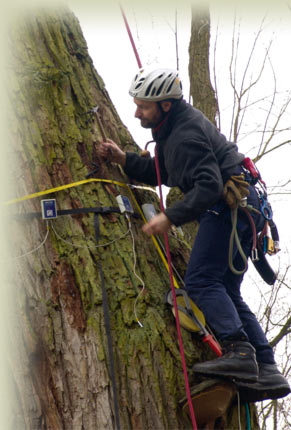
x,y
48,209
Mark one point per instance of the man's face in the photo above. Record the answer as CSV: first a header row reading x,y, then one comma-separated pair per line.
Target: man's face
x,y
148,113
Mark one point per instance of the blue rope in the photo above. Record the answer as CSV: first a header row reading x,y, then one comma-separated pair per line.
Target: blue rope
x,y
248,417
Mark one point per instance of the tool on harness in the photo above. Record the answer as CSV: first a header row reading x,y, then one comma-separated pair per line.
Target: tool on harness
x,y
266,208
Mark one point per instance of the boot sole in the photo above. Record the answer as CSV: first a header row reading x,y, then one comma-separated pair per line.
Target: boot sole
x,y
237,377
253,394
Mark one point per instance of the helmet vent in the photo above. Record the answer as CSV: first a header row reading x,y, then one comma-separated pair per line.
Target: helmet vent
x,y
153,92
149,88
160,88
170,86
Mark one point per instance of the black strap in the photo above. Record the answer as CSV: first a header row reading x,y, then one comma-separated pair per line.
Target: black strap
x,y
98,210
107,329
103,210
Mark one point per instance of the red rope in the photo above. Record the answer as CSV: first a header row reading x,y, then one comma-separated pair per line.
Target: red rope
x,y
191,409
131,38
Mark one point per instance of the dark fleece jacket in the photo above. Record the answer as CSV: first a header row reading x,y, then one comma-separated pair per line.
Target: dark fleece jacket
x,y
193,155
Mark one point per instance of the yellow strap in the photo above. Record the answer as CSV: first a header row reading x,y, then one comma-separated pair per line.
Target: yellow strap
x,y
62,187
86,181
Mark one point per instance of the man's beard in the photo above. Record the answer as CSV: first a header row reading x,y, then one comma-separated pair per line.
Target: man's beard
x,y
145,123
148,124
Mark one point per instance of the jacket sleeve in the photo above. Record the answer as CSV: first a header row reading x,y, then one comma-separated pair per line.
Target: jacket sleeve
x,y
143,169
200,179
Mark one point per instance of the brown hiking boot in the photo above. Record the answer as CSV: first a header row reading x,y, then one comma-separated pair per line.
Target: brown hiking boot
x,y
270,385
237,362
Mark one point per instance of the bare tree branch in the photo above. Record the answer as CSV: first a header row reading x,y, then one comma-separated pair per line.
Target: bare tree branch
x,y
286,329
215,77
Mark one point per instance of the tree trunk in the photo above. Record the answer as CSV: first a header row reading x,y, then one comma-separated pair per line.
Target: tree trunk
x,y
59,359
201,89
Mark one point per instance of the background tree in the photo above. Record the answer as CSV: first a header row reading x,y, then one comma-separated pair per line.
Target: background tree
x,y
259,99
201,90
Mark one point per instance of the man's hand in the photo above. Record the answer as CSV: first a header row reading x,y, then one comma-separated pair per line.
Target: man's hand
x,y
111,151
157,225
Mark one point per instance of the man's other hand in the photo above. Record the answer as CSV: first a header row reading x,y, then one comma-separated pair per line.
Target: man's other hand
x,y
157,225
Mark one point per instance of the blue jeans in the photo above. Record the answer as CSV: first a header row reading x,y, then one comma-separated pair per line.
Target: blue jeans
x,y
212,285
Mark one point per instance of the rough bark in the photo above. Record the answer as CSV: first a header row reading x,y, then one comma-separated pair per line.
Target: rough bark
x,y
58,347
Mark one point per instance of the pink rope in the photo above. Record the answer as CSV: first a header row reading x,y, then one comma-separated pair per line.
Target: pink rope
x,y
191,409
131,38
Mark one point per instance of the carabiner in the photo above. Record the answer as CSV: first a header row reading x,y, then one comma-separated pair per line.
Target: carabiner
x,y
266,208
255,255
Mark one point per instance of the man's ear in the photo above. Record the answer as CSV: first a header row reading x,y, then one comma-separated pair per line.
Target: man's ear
x,y
166,105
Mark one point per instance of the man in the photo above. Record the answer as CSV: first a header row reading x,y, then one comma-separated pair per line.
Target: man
x,y
197,158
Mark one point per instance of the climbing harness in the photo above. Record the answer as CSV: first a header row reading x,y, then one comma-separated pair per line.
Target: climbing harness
x,y
266,245
261,244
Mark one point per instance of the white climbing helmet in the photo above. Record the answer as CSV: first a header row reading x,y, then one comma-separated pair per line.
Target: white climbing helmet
x,y
157,85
